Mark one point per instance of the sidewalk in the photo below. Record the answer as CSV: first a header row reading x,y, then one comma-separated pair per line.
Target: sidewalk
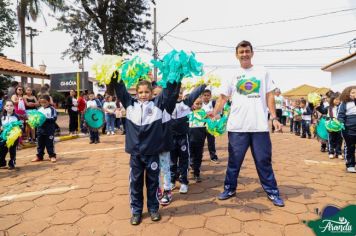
x,y
86,193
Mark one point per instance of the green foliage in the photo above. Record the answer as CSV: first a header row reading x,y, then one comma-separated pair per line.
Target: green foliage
x,y
5,81
106,26
7,25
57,97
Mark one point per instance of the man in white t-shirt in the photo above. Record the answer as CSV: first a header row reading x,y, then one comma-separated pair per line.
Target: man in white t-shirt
x,y
251,93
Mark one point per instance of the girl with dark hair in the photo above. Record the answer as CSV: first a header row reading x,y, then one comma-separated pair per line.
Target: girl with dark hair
x,y
347,115
8,117
335,138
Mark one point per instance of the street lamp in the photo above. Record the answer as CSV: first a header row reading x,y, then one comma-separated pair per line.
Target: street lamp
x,y
155,42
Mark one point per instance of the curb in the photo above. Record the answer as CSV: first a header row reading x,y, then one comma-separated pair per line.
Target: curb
x,y
58,139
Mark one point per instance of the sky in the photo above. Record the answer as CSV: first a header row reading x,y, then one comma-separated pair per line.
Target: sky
x,y
223,24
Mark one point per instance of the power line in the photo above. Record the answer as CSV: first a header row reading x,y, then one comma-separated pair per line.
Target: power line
x,y
272,22
274,44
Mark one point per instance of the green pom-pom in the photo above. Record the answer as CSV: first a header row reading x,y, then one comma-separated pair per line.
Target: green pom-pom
x,y
334,125
177,65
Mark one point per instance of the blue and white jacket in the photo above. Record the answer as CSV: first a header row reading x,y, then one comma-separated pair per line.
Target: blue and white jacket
x,y
180,122
347,115
49,126
144,132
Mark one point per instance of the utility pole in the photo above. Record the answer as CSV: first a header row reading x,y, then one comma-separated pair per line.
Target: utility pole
x,y
33,33
155,46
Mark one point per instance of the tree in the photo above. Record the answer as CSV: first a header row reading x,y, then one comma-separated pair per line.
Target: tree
x,y
106,26
32,9
7,25
5,82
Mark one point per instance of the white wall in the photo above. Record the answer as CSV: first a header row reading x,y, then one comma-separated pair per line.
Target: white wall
x,y
343,76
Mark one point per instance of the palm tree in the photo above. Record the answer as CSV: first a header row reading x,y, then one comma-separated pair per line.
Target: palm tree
x,y
31,9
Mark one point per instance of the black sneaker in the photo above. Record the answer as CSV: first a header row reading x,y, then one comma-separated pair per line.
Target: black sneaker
x,y
215,160
323,149
226,194
11,167
197,179
91,142
166,198
136,219
155,216
303,136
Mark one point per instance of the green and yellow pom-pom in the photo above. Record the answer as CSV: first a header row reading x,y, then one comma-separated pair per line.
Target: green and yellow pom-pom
x,y
104,68
11,132
35,118
134,70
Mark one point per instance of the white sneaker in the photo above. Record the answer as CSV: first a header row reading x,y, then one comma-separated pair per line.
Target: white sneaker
x,y
107,133
340,157
351,169
331,156
183,189
112,133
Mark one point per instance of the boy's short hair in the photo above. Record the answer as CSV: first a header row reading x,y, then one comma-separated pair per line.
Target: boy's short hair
x,y
14,83
45,97
244,43
303,101
144,83
90,93
207,91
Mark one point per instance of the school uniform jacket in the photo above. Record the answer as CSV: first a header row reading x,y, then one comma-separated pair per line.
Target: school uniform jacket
x,y
49,126
179,122
347,115
144,133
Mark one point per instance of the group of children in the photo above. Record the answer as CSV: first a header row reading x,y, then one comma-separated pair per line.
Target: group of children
x,y
45,132
160,140
303,116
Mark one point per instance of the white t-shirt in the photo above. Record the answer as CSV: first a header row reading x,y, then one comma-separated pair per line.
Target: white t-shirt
x,y
91,103
75,104
208,107
279,100
110,106
248,91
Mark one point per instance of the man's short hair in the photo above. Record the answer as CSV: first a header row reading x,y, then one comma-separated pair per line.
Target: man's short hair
x,y
244,44
14,83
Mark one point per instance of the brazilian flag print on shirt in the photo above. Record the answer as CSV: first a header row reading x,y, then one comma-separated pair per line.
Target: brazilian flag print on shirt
x,y
248,86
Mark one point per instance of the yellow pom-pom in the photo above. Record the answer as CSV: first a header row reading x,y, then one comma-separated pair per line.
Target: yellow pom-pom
x,y
104,68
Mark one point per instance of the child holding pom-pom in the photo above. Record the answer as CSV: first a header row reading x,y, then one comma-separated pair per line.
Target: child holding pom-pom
x,y
8,117
45,133
144,138
197,135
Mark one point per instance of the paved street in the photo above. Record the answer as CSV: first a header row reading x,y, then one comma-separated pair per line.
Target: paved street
x,y
86,193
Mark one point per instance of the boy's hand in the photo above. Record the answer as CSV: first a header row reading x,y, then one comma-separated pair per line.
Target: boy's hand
x,y
278,126
213,116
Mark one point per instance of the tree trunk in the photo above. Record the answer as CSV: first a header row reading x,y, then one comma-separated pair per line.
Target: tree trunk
x,y
22,21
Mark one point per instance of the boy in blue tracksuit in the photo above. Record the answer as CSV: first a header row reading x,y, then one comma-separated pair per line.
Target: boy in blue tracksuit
x,y
144,134
45,133
180,155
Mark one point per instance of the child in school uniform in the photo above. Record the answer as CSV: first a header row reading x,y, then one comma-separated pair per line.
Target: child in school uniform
x,y
8,116
93,133
197,135
144,137
335,138
208,106
165,196
45,133
307,111
297,118
180,155
347,115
